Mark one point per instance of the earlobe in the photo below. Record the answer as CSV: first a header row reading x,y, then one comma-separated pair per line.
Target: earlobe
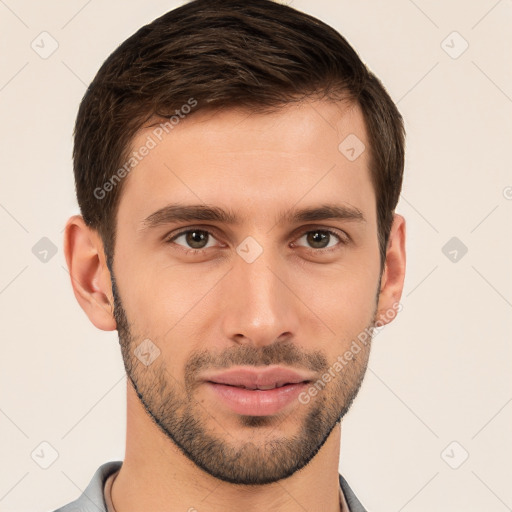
x,y
90,277
392,282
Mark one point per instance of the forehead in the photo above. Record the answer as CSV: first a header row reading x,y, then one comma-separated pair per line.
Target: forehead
x,y
253,162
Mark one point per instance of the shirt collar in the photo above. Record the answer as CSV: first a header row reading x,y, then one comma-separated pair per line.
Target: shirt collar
x,y
111,478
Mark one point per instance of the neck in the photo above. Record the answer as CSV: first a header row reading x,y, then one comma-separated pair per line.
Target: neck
x,y
155,475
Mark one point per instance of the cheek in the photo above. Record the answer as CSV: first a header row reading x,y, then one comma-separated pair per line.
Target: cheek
x,y
167,304
343,298
156,292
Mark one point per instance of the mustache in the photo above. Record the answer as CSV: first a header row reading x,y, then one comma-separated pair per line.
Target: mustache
x,y
279,353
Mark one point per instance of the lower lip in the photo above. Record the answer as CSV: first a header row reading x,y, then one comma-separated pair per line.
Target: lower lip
x,y
257,402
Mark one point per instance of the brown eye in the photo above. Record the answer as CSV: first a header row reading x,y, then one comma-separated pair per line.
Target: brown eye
x,y
194,239
321,239
318,239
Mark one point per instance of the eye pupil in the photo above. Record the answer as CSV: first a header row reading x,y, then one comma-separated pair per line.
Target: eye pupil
x,y
318,239
197,237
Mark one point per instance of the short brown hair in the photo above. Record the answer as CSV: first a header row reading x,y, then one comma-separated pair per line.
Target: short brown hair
x,y
255,54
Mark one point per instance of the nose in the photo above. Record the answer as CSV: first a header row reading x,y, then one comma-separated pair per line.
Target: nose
x,y
259,306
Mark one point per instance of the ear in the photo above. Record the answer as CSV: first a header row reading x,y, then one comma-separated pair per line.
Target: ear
x,y
393,275
90,277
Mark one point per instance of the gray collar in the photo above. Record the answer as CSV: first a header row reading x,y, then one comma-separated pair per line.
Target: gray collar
x,y
92,499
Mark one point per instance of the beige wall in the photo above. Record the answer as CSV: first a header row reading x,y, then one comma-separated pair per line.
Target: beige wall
x,y
439,373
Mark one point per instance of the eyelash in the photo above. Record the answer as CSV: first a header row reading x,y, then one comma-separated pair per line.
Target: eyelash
x,y
170,239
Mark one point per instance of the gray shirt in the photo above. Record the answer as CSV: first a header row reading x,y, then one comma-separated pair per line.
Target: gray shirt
x,y
93,498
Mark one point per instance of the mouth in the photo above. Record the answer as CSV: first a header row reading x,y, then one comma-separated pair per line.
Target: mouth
x,y
253,398
259,378
261,387
247,401
257,391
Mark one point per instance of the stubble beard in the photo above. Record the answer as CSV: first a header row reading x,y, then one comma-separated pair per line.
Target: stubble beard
x,y
261,458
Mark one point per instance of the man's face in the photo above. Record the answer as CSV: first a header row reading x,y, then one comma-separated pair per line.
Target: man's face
x,y
292,295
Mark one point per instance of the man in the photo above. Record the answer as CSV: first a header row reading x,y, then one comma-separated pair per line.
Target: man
x,y
237,169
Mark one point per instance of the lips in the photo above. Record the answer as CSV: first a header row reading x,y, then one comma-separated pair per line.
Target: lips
x,y
256,391
263,378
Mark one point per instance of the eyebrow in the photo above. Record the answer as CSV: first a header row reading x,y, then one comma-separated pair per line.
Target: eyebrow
x,y
203,212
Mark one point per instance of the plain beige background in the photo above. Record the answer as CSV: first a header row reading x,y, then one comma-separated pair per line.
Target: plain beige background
x,y
438,387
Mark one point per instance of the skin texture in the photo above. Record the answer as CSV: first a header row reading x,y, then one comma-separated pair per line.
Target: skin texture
x,y
300,304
